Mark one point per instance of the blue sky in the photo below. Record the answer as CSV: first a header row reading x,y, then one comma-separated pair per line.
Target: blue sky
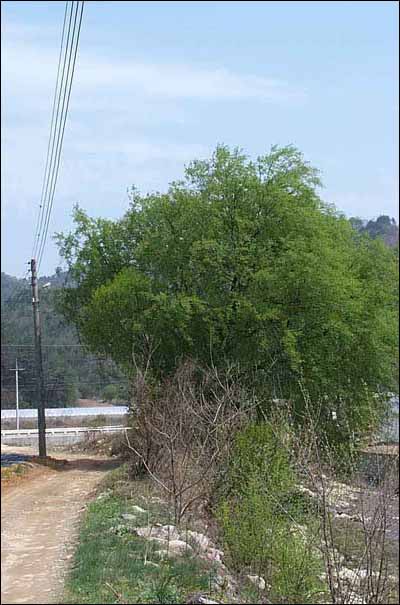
x,y
158,84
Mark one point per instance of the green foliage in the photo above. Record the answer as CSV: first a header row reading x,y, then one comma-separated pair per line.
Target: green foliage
x,y
109,562
258,452
262,527
242,263
71,394
70,371
110,392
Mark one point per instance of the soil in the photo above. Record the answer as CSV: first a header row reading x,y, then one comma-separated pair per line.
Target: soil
x,y
39,521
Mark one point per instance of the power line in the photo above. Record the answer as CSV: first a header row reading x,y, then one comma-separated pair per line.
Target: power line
x,y
41,206
59,118
62,128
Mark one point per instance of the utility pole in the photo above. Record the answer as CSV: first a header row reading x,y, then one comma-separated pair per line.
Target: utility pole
x,y
39,363
16,370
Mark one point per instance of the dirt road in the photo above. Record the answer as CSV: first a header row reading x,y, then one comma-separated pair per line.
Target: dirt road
x,y
39,522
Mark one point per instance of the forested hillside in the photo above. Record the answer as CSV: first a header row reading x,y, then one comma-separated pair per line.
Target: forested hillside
x,y
383,227
70,370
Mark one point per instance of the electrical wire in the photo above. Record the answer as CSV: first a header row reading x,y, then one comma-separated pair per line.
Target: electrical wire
x,y
42,197
62,93
55,157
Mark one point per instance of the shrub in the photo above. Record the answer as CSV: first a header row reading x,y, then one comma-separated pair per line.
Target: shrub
x,y
265,528
258,451
110,392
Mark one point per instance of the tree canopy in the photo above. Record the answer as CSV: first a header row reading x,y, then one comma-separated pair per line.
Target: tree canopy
x,y
241,263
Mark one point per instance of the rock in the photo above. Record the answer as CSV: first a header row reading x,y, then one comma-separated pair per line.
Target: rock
x,y
162,532
305,490
157,500
170,532
213,554
151,564
199,540
163,553
160,541
355,599
128,517
257,581
174,548
199,598
104,494
138,509
179,547
144,532
224,583
352,576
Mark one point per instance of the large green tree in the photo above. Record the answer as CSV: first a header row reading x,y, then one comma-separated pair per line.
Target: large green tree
x,y
241,262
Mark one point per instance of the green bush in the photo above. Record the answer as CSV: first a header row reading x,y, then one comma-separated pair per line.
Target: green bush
x,y
266,529
258,452
110,392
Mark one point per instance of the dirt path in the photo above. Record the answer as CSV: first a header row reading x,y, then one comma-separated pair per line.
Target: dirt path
x,y
39,526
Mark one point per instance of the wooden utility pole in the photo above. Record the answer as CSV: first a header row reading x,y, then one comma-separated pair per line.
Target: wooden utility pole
x,y
41,394
16,370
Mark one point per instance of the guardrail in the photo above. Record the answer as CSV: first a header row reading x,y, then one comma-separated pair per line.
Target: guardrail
x,y
65,431
109,410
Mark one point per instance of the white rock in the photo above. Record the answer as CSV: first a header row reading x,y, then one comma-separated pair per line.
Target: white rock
x,y
144,532
170,532
257,581
352,576
305,490
355,599
213,554
165,532
223,582
199,540
128,517
138,509
163,553
175,548
160,541
151,564
179,547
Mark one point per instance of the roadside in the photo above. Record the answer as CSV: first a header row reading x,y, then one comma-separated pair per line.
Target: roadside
x,y
129,551
39,517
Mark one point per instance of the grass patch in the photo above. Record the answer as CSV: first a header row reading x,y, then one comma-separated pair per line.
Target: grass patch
x,y
113,565
14,471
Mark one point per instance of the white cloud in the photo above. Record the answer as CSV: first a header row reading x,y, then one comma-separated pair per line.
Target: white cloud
x,y
181,81
130,122
29,66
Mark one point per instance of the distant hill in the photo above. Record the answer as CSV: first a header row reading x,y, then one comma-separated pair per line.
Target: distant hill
x,y
70,371
384,227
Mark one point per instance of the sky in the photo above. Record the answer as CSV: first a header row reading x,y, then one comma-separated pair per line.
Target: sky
x,y
158,84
